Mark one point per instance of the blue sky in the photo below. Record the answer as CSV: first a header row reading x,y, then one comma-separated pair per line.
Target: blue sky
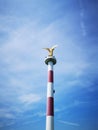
x,y
26,26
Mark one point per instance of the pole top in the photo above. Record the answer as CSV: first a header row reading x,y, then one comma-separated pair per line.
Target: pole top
x,y
50,50
50,58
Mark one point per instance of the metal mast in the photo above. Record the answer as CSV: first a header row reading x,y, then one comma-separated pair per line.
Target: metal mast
x,y
50,60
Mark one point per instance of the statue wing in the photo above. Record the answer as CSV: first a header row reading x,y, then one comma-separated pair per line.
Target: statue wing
x,y
47,49
53,47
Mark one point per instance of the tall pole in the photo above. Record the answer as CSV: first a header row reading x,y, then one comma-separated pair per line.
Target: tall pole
x,y
50,60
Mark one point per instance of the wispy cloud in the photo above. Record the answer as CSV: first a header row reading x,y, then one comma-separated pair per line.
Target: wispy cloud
x,y
82,15
70,106
30,98
5,113
40,114
69,123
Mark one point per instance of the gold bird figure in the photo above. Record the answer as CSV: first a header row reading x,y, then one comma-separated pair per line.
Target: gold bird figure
x,y
51,50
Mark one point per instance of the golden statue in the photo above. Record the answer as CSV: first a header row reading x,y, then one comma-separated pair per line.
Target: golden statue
x,y
51,50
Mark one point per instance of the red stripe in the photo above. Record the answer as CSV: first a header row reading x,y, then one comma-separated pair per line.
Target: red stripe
x,y
50,106
50,76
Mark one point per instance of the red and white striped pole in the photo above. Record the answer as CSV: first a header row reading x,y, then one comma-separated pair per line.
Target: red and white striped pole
x,y
50,61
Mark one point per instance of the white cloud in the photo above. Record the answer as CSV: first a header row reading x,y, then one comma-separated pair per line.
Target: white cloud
x,y
69,123
40,114
30,98
75,103
5,113
23,49
77,67
21,57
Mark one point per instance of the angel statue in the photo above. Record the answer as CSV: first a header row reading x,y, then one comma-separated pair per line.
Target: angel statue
x,y
51,50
